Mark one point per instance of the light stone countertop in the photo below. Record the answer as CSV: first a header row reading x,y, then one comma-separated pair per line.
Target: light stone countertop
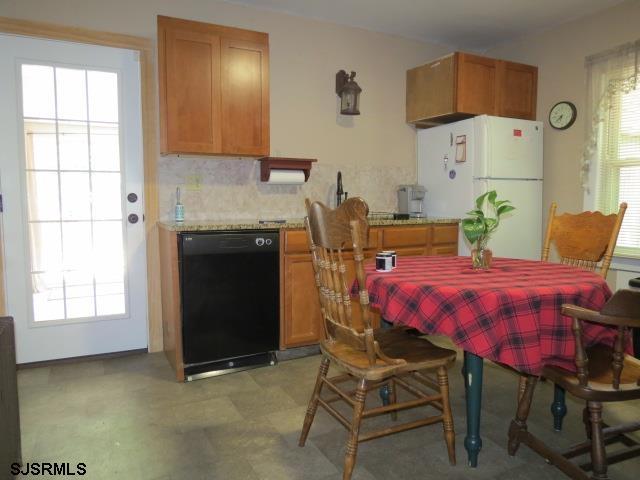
x,y
213,225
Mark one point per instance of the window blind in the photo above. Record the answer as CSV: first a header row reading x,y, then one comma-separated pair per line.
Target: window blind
x,y
619,167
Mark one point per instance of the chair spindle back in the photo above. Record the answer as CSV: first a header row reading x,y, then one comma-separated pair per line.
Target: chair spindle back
x,y
329,233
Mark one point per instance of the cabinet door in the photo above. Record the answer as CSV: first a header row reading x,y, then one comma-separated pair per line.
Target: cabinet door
x,y
245,97
302,319
518,86
430,90
190,91
476,84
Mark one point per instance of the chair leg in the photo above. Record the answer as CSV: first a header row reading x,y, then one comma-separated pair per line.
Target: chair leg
x,y
519,424
313,403
393,398
352,443
522,385
447,417
586,419
598,455
558,407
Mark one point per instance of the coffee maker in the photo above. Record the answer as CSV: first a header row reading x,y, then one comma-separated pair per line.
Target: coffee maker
x,y
410,200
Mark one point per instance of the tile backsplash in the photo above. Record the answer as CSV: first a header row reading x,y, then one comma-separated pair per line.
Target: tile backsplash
x,y
230,188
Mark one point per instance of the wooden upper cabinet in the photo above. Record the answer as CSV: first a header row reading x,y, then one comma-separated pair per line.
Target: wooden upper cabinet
x,y
214,89
476,84
461,85
422,83
193,99
245,97
518,91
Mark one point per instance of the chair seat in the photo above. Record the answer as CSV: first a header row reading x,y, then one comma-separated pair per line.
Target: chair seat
x,y
600,377
418,353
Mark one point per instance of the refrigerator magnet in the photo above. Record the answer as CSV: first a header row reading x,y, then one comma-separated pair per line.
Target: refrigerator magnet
x,y
461,148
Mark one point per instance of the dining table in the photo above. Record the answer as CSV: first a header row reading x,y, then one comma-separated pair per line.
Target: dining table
x,y
509,313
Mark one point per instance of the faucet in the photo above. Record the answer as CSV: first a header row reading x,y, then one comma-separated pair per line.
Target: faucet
x,y
339,191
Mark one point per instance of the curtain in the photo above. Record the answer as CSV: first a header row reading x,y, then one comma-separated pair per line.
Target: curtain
x,y
609,74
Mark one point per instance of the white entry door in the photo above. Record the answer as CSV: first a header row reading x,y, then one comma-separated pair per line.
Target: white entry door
x,y
71,178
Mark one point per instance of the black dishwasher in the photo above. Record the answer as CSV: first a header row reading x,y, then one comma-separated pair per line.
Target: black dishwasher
x,y
230,300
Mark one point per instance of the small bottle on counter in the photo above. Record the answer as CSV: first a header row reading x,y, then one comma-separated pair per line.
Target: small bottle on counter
x,y
179,211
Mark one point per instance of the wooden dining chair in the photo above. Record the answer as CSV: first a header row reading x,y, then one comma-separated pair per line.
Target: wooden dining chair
x,y
584,240
370,358
604,374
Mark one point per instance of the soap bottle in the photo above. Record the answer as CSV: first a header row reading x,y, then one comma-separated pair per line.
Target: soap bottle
x,y
179,212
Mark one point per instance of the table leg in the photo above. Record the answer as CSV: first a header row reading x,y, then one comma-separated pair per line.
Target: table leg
x,y
384,390
558,407
473,367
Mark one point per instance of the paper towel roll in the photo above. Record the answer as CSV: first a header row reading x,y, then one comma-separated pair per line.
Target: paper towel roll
x,y
286,177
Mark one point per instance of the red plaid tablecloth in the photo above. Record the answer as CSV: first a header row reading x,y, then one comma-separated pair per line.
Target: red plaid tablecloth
x,y
509,314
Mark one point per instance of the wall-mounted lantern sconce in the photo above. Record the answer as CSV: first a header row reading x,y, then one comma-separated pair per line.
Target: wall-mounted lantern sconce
x,y
349,92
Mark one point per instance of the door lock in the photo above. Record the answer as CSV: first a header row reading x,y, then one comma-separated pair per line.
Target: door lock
x,y
133,218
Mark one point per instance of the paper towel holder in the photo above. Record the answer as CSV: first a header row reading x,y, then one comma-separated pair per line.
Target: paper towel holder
x,y
282,163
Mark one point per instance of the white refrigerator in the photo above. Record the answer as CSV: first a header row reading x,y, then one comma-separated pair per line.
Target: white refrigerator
x,y
461,160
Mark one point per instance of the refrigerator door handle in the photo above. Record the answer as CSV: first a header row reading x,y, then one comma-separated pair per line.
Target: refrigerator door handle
x,y
484,188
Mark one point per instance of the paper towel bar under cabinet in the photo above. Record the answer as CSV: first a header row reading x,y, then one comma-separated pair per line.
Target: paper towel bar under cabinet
x,y
281,163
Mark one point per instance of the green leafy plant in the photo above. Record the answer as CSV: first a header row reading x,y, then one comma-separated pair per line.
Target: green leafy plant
x,y
478,227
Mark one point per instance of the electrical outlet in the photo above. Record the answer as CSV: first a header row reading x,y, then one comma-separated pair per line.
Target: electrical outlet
x,y
193,183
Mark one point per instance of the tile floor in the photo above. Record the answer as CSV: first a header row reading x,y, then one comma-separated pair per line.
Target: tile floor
x,y
128,418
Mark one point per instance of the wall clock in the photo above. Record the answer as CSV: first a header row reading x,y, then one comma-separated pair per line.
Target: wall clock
x,y
562,115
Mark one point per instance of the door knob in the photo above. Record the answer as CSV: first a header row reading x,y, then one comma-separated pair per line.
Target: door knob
x,y
132,197
133,218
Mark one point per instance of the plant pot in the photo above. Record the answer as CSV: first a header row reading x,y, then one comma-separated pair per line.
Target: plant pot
x,y
481,258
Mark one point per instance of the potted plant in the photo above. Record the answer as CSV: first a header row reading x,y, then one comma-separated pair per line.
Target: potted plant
x,y
478,227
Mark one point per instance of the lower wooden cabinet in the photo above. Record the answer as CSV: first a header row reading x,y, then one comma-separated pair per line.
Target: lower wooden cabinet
x,y
300,325
300,319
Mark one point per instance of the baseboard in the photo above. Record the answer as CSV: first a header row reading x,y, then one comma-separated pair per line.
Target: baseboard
x,y
62,361
298,352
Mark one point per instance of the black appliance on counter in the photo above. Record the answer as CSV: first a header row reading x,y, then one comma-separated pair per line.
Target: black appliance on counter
x,y
230,300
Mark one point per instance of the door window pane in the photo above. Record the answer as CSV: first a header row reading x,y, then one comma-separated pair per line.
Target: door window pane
x,y
103,96
80,301
76,245
74,145
38,98
105,147
71,94
46,246
108,252
48,296
106,194
76,195
110,298
41,144
42,188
